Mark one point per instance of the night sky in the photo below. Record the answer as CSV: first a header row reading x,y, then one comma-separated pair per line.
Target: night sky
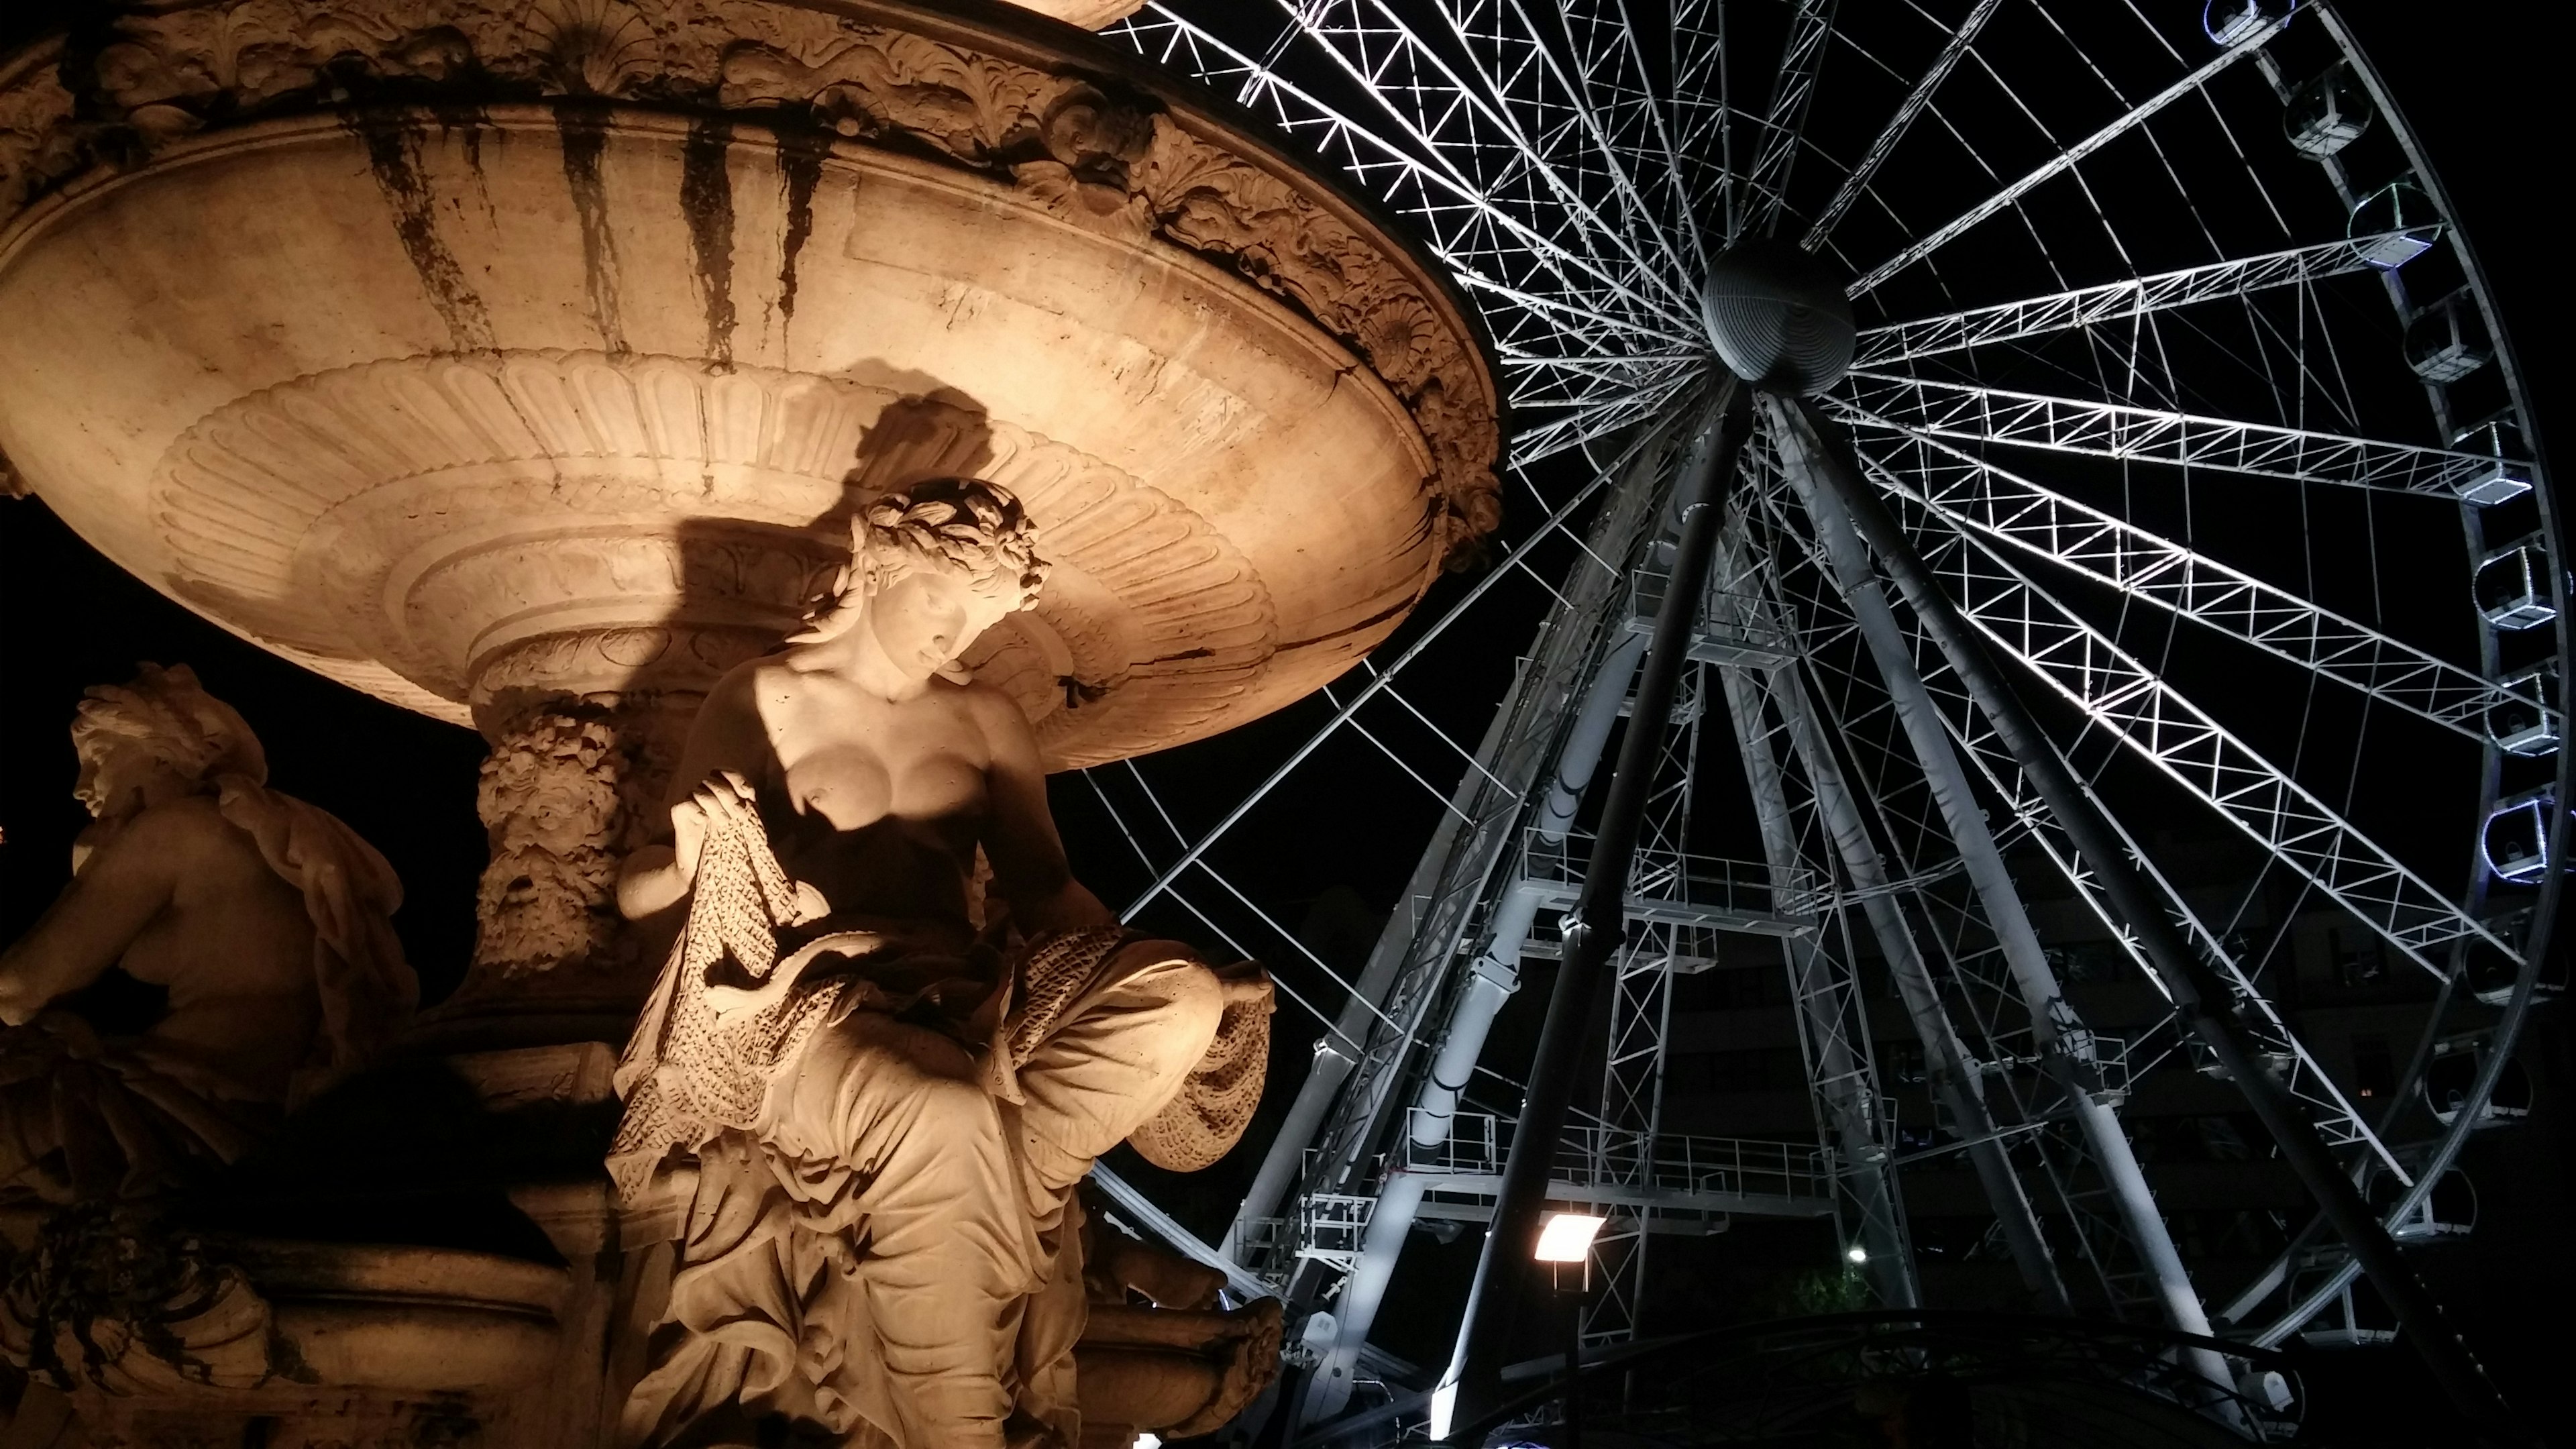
x,y
2485,91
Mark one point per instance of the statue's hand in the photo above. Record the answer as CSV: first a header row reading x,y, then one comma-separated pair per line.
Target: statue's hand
x,y
724,797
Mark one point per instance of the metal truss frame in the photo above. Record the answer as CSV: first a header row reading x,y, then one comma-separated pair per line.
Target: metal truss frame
x,y
1977,414
2127,301
1971,494
2134,705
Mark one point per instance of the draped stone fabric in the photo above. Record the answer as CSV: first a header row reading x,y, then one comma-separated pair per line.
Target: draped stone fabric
x,y
859,1154
366,988
129,1117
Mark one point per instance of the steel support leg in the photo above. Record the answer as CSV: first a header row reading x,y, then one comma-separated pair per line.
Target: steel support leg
x,y
1337,1052
1473,1382
2199,995
1829,1017
1953,1073
2065,1047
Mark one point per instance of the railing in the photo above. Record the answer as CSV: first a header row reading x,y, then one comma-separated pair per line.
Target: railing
x,y
1648,1164
1720,635
1330,1225
1688,883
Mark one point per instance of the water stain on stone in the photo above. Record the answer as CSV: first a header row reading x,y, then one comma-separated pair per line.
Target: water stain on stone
x,y
393,155
465,120
706,201
1347,630
800,166
584,128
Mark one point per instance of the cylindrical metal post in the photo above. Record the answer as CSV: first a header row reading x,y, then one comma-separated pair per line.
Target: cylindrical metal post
x,y
2198,994
1843,1085
1955,1079
1473,1382
1574,1366
2065,1047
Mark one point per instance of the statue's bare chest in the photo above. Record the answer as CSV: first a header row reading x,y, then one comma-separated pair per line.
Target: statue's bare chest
x,y
855,759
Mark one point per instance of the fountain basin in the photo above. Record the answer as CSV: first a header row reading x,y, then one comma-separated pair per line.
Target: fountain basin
x,y
553,363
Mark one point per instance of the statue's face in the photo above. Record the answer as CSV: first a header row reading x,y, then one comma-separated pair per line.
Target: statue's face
x,y
926,618
114,774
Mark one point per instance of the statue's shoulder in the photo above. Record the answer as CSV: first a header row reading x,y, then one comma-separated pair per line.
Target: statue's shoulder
x,y
735,700
997,718
738,684
188,818
181,837
988,703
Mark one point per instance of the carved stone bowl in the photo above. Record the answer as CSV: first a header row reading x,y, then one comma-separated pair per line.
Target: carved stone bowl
x,y
317,1343
479,352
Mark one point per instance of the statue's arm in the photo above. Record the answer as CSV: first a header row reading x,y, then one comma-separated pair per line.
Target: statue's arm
x,y
120,889
1029,868
726,750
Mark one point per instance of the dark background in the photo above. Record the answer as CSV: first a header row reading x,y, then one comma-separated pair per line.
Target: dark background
x,y
2481,85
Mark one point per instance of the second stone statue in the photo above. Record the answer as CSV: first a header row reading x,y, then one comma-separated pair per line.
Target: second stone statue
x,y
893,1032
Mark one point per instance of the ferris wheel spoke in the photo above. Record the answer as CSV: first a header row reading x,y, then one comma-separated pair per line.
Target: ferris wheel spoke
x,y
1532,249
2156,435
1826,614
1971,494
2121,301
1596,421
2065,160
1567,320
1623,124
2119,694
1865,170
1144,857
1545,385
1702,102
1385,678
1473,125
1666,161
1784,122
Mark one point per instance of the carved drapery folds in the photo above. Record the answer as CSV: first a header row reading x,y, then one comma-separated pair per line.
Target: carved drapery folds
x,y
1088,148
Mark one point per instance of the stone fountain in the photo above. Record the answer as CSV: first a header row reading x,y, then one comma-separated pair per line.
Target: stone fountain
x,y
520,362
515,363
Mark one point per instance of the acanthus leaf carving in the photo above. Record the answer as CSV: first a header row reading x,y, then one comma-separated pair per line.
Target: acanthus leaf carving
x,y
38,144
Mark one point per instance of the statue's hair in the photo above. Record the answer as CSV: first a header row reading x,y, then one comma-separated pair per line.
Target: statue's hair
x,y
963,525
166,713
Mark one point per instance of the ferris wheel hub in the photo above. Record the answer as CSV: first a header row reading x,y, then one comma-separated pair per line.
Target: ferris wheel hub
x,y
1778,317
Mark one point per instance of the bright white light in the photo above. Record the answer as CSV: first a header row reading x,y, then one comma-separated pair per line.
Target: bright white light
x,y
1856,1253
1567,1237
1444,1401
1149,1441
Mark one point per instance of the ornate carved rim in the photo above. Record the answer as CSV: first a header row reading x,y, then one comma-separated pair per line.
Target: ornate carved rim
x,y
1098,135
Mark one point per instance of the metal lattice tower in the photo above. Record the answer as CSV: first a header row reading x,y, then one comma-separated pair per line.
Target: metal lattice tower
x,y
2145,363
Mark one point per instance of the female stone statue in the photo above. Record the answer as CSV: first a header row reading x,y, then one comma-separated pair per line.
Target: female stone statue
x,y
264,918
863,1092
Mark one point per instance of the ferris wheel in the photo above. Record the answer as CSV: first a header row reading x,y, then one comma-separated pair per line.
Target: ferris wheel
x,y
2179,475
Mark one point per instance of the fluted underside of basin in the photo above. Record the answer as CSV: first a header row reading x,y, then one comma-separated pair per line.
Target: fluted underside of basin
x,y
470,406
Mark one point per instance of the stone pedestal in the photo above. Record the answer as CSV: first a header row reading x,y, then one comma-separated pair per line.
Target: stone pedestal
x,y
205,1332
